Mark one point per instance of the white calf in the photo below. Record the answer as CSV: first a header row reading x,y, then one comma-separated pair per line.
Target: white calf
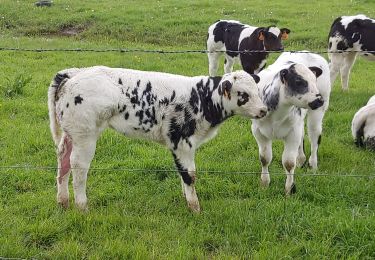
x,y
363,125
288,87
179,112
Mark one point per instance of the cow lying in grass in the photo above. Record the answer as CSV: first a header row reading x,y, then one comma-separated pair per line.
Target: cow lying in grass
x,y
232,36
179,112
363,125
294,83
350,33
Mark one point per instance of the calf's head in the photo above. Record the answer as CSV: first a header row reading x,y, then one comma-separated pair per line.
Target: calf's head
x,y
272,36
240,94
300,86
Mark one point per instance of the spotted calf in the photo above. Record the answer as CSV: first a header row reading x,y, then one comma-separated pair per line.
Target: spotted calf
x,y
176,111
350,33
229,36
295,85
363,125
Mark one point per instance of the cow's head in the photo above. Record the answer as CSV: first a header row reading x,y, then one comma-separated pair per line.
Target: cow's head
x,y
272,36
300,86
240,94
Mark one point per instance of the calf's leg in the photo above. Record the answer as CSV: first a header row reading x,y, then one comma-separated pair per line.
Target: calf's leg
x,y
228,64
335,64
314,129
213,63
265,156
291,144
184,161
83,151
301,158
349,59
64,151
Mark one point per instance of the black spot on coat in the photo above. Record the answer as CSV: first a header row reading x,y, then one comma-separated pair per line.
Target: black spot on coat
x,y
126,116
59,78
359,30
182,171
360,135
78,100
243,98
296,84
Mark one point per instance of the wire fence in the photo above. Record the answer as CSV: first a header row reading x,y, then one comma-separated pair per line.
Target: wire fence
x,y
126,50
155,170
138,50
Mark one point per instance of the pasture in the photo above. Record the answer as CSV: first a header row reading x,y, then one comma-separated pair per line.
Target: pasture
x,y
142,214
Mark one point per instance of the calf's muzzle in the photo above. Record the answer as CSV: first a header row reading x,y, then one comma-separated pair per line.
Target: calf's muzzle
x,y
316,103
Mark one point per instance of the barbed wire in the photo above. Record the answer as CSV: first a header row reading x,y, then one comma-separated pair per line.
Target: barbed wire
x,y
126,50
126,169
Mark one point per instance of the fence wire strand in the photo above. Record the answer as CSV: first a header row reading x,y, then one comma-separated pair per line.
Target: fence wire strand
x,y
127,50
125,169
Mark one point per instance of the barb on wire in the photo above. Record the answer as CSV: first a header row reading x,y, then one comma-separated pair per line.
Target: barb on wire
x,y
125,169
126,50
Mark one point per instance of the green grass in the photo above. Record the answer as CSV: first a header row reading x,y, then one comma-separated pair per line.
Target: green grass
x,y
142,214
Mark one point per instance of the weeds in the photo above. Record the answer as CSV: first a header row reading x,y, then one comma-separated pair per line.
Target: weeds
x,y
15,87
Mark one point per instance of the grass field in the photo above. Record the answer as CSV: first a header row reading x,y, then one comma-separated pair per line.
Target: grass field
x,y
142,214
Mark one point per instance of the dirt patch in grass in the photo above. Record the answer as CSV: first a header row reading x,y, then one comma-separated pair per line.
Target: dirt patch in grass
x,y
72,30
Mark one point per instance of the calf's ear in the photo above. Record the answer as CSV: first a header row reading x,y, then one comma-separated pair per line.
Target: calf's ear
x,y
226,86
283,74
261,35
317,71
284,33
255,77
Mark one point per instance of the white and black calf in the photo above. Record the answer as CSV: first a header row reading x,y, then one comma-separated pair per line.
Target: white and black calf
x,y
232,36
177,111
363,126
295,85
350,33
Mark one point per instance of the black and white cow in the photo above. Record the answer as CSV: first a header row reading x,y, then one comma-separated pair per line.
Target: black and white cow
x,y
363,125
230,35
295,85
350,33
177,111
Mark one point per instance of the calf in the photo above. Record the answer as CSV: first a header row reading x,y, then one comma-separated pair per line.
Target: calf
x,y
350,33
232,36
176,111
363,125
294,83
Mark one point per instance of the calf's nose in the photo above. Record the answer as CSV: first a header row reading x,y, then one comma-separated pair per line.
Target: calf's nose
x,y
316,103
262,113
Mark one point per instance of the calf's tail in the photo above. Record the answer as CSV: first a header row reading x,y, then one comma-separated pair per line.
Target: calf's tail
x,y
58,81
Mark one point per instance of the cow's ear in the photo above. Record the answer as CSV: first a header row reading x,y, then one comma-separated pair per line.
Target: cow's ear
x,y
261,35
283,74
284,33
226,87
255,77
317,71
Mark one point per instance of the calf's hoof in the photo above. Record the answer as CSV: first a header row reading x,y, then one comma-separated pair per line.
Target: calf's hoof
x,y
313,164
301,160
265,183
82,206
194,206
64,203
265,180
292,190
